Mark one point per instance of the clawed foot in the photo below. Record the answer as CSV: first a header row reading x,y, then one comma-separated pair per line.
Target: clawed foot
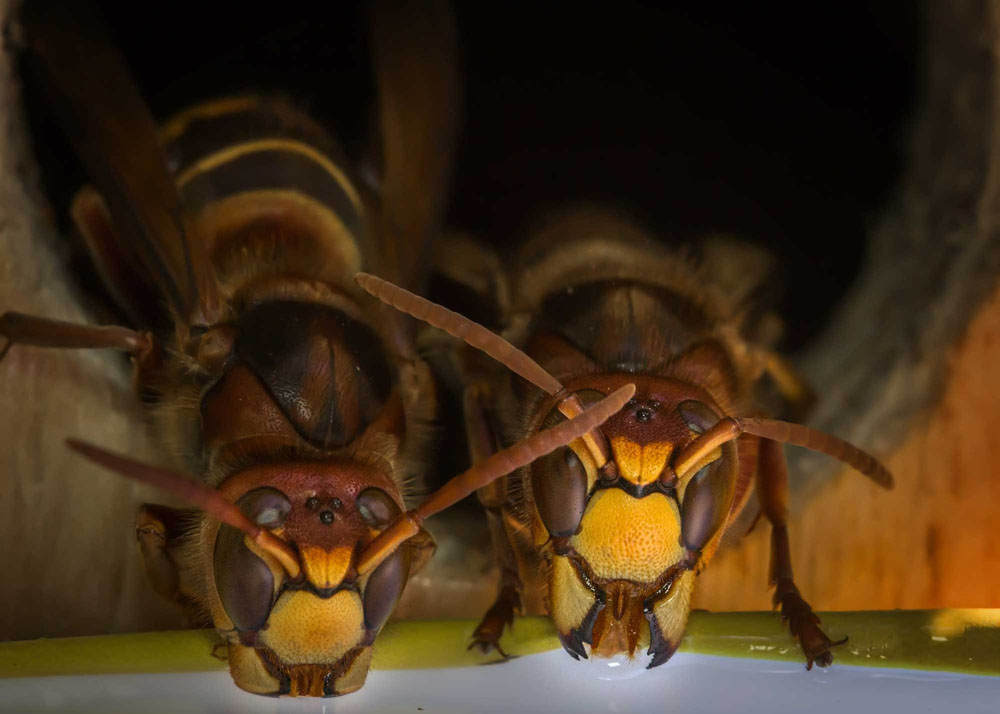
x,y
804,625
497,618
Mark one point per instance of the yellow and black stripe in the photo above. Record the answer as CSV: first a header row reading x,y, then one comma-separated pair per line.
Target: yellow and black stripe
x,y
239,146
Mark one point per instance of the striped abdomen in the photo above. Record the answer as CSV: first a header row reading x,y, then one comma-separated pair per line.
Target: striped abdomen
x,y
262,182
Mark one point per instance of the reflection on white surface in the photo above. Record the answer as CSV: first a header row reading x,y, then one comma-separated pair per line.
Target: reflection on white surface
x,y
615,668
549,683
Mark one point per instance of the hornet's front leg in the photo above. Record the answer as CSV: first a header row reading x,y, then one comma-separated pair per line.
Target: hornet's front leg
x,y
804,624
17,328
501,614
482,443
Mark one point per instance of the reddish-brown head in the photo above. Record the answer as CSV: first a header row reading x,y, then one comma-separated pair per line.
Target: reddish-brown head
x,y
627,534
311,632
281,550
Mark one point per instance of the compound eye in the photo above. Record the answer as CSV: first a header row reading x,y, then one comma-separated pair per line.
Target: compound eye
x,y
377,508
244,582
385,586
265,506
708,499
698,416
559,483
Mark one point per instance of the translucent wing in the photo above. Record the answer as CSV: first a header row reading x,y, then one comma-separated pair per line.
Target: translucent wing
x,y
112,131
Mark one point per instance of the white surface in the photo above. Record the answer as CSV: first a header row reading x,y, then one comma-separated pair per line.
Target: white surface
x,y
549,683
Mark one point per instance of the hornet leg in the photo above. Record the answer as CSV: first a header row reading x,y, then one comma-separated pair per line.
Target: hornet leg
x,y
17,328
804,624
482,443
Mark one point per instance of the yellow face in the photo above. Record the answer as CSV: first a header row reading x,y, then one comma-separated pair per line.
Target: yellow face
x,y
318,634
323,637
627,538
615,583
627,541
310,635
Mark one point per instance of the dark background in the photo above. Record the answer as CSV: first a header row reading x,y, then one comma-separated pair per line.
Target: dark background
x,y
779,122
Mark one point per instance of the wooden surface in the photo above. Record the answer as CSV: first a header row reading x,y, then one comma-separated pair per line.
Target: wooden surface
x,y
932,542
70,563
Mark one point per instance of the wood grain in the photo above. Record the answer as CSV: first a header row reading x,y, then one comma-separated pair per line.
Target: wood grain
x,y
70,561
932,542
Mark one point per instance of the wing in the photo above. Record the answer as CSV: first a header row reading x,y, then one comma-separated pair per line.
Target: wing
x,y
416,75
99,107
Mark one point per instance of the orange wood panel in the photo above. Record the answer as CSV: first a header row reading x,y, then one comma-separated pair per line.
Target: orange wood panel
x,y
934,541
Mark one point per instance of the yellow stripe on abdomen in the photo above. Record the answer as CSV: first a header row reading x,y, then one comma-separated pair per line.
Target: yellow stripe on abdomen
x,y
230,153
